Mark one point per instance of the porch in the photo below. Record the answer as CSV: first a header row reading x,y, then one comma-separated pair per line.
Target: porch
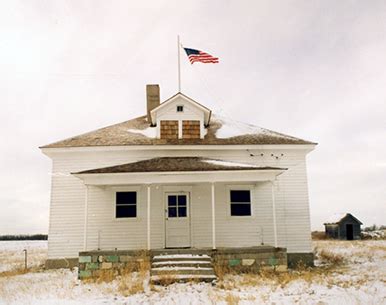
x,y
180,202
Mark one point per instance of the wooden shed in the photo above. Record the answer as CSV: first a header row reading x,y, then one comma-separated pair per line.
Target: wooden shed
x,y
343,226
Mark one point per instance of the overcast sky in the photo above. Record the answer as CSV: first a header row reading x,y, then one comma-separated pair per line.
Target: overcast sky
x,y
311,69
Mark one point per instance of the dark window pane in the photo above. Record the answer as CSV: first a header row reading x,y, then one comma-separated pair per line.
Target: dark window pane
x,y
182,200
172,212
172,200
240,209
181,211
124,211
126,197
241,196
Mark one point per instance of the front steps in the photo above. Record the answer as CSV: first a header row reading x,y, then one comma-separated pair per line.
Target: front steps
x,y
169,268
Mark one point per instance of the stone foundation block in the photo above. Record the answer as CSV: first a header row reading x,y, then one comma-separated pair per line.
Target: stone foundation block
x,y
84,274
125,258
247,262
106,265
84,259
111,258
92,266
296,259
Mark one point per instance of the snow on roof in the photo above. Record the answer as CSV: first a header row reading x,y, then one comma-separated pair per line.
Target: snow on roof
x,y
228,163
221,131
149,132
231,128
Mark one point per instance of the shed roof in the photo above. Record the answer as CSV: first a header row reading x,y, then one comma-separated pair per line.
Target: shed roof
x,y
137,131
337,218
177,164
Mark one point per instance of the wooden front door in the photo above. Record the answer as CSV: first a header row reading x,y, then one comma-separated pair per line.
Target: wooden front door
x,y
177,220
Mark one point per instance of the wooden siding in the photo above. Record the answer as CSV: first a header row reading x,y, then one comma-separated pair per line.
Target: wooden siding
x,y
104,231
190,129
190,113
169,129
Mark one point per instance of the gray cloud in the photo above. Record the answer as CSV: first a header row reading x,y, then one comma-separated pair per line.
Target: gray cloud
x,y
313,69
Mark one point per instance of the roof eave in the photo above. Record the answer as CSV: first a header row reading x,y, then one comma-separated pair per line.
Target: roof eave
x,y
109,179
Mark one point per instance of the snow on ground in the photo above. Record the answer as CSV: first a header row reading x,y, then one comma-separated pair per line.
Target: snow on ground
x,y
12,255
361,280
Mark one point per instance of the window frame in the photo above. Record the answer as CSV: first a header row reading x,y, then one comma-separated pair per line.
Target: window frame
x,y
186,194
244,187
182,107
114,202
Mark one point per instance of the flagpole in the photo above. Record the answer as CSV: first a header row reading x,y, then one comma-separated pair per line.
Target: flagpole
x,y
179,63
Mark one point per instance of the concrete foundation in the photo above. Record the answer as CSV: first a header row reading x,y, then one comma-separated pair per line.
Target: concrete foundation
x,y
296,259
251,259
94,263
61,263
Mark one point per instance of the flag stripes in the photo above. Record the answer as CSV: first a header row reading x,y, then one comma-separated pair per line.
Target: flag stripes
x,y
199,56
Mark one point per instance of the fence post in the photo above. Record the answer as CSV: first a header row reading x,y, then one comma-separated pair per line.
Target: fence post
x,y
25,259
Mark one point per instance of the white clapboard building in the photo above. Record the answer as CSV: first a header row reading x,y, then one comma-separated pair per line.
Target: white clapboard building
x,y
178,177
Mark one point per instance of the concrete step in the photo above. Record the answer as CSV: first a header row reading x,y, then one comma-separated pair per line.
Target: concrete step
x,y
181,251
182,271
200,264
161,279
169,268
181,257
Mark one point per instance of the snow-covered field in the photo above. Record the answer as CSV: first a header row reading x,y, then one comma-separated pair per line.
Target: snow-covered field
x,y
359,279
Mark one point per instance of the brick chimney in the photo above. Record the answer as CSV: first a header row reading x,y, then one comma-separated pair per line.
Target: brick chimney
x,y
153,99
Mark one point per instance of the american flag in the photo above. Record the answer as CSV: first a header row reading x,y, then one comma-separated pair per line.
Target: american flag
x,y
199,56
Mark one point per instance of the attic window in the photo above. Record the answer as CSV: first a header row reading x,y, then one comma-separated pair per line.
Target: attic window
x,y
180,108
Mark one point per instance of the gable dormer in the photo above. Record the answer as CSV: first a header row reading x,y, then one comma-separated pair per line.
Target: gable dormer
x,y
180,117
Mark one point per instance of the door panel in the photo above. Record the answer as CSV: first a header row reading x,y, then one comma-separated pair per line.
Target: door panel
x,y
349,232
177,220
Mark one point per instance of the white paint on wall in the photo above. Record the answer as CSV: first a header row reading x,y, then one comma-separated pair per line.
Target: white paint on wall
x,y
106,232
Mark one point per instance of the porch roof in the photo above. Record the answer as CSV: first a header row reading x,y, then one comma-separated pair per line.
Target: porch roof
x,y
178,170
177,164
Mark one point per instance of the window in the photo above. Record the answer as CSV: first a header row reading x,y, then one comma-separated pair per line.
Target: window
x,y
180,108
126,204
240,202
177,206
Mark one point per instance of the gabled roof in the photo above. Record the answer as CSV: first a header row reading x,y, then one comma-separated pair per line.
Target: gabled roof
x,y
337,218
177,164
207,111
221,131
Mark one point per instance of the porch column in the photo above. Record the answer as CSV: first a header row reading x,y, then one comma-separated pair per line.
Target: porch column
x,y
213,219
148,216
85,219
274,213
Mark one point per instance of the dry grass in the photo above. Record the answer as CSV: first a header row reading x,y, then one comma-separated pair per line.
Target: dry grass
x,y
331,258
20,270
13,272
13,259
319,235
221,270
232,299
130,280
134,277
166,279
